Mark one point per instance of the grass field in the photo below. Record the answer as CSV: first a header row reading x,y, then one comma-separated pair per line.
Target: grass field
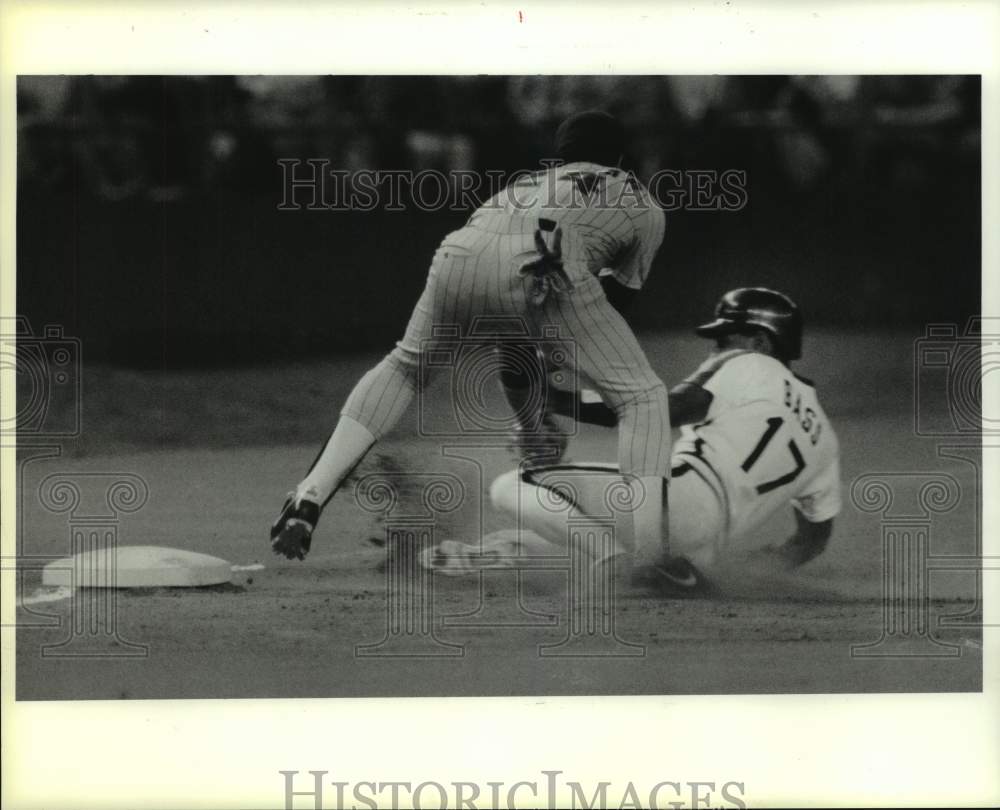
x,y
218,450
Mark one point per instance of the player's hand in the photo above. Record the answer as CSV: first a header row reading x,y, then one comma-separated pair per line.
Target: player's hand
x,y
547,271
545,445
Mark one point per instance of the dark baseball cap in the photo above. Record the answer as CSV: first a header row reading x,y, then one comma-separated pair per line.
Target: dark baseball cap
x,y
593,136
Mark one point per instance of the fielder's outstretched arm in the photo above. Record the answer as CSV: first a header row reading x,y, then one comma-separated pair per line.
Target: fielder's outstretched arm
x,y
688,402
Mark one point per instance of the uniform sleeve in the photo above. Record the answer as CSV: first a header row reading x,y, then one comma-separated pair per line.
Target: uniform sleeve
x,y
734,378
821,500
632,269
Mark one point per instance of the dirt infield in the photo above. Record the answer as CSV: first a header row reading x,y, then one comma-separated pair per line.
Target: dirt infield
x,y
316,629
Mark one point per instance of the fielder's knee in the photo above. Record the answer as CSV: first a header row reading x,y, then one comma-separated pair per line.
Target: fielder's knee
x,y
405,361
383,393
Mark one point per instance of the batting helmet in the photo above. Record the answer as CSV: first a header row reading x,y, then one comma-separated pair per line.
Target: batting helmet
x,y
748,308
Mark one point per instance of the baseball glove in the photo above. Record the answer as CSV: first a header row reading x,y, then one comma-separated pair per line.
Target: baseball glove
x,y
539,447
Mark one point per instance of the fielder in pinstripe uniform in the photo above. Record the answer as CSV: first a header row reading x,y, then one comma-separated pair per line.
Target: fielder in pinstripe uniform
x,y
554,249
754,439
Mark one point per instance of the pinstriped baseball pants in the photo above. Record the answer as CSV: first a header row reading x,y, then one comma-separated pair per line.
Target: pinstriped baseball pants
x,y
474,274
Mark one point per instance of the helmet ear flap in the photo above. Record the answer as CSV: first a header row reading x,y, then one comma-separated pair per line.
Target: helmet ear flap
x,y
792,334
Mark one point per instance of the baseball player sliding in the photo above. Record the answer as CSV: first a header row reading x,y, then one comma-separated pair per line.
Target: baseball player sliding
x,y
754,438
553,250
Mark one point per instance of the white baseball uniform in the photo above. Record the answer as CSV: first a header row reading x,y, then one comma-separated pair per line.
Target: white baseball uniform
x,y
764,443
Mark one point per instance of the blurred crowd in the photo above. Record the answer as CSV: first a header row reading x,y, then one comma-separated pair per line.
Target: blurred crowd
x,y
165,138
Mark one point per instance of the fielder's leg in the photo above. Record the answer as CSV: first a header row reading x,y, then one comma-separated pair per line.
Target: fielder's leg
x,y
604,349
375,405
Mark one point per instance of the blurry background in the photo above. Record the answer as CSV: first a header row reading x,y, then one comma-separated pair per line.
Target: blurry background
x,y
148,221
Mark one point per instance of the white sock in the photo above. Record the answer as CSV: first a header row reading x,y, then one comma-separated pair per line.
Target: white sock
x,y
346,447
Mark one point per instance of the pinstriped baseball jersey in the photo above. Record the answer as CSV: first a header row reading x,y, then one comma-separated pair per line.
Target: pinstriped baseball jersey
x,y
475,273
609,221
764,442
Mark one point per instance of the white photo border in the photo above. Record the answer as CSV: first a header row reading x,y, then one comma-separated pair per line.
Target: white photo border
x,y
823,750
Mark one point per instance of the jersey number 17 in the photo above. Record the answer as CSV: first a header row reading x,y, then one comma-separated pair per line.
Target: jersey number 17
x,y
773,425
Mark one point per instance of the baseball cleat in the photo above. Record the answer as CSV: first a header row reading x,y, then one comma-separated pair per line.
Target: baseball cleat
x,y
455,559
673,577
291,534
